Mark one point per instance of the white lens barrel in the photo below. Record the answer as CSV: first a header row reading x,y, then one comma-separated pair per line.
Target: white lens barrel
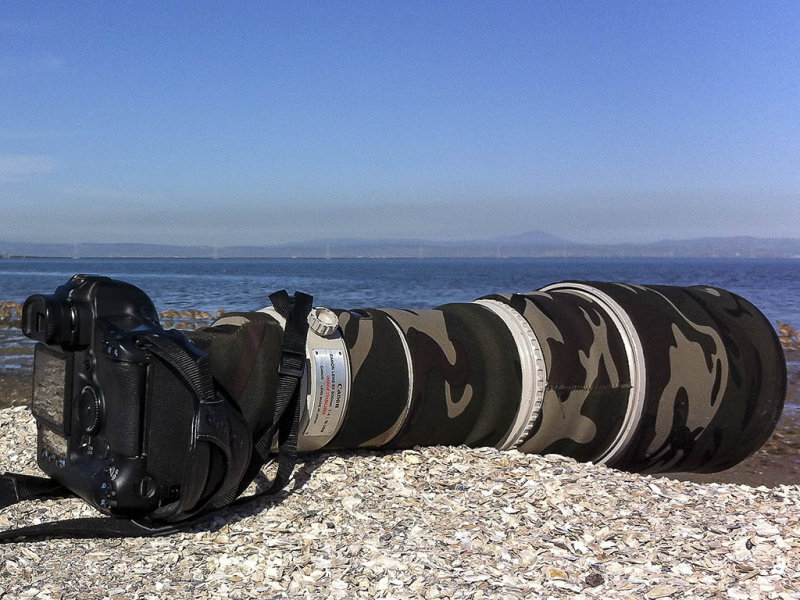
x,y
326,379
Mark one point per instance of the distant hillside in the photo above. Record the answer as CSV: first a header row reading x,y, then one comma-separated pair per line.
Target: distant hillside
x,y
723,247
529,244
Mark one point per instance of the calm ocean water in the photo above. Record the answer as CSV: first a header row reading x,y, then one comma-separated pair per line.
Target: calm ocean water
x,y
242,284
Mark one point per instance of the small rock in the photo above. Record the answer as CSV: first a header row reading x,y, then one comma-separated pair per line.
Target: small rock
x,y
594,579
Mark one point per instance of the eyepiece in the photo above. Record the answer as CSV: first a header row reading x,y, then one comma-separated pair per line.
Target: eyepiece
x,y
45,319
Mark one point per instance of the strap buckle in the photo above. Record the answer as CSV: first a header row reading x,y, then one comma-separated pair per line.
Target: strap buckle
x,y
293,364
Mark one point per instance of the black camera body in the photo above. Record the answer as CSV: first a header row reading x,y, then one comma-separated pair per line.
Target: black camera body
x,y
128,417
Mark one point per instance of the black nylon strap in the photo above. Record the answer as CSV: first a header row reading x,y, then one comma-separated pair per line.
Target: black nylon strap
x,y
288,405
90,527
17,488
196,373
113,527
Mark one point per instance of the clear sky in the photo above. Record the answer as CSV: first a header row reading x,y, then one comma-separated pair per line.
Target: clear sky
x,y
251,123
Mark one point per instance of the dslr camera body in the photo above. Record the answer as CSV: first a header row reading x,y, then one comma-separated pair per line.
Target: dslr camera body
x,y
127,414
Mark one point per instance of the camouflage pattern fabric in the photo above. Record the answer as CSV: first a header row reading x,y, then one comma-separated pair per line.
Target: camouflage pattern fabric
x,y
715,377
588,377
466,384
379,395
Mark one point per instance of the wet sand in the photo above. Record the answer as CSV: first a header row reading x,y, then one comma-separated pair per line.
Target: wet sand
x,y
15,390
776,463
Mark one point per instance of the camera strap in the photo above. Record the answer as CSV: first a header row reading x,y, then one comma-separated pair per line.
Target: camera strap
x,y
288,406
286,424
15,487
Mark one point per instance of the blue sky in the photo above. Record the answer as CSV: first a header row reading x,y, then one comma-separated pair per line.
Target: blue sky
x,y
252,123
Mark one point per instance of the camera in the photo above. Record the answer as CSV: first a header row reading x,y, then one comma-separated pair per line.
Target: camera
x,y
145,422
128,416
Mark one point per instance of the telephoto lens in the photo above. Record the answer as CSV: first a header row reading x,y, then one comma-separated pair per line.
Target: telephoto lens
x,y
639,377
161,429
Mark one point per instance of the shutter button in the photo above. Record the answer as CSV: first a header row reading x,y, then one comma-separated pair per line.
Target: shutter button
x,y
323,321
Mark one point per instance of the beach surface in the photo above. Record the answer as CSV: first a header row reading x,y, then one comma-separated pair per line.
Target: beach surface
x,y
436,522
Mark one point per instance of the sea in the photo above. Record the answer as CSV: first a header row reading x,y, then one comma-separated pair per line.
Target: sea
x,y
245,284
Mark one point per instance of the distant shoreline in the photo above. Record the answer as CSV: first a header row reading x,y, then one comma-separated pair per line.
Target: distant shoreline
x,y
454,258
527,245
